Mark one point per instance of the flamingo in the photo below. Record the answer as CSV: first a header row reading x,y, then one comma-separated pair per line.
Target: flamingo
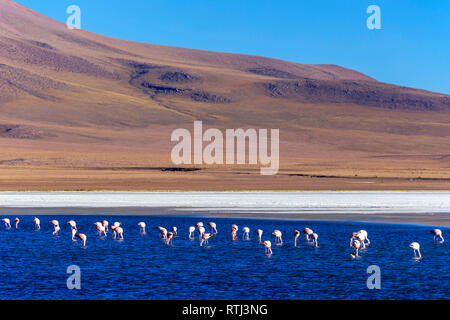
x,y
259,233
119,232
356,244
199,224
246,233
191,232
175,231
162,233
205,238
16,222
234,229
308,232
72,224
100,228
363,236
142,225
113,229
201,232
7,223
56,227
74,232
169,239
213,227
437,233
315,236
117,224
105,224
416,247
296,235
83,238
268,247
278,239
37,223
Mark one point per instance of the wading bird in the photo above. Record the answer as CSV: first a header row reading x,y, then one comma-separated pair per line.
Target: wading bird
x,y
362,235
191,232
213,227
268,247
105,225
162,233
56,227
234,230
355,244
315,236
100,228
201,232
83,238
278,239
205,238
142,225
37,223
296,235
416,247
16,222
175,231
119,232
437,233
7,223
169,239
308,233
74,233
246,233
72,224
259,234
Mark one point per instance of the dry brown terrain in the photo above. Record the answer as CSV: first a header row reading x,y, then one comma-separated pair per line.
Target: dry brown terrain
x,y
80,111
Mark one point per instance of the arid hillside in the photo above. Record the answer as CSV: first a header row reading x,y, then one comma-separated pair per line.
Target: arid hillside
x,y
80,111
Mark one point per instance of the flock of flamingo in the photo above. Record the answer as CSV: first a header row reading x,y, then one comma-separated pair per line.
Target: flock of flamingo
x,y
358,240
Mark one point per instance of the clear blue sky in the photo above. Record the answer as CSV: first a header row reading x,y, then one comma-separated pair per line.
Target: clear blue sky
x,y
411,49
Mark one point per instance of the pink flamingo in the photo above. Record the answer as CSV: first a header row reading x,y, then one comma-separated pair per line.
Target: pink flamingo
x,y
234,230
268,247
296,235
315,236
205,238
113,229
100,228
437,233
169,239
83,238
142,225
259,233
74,233
119,232
56,227
191,232
105,225
355,244
416,247
278,239
201,232
37,223
246,233
308,232
7,223
16,222
213,227
162,233
72,224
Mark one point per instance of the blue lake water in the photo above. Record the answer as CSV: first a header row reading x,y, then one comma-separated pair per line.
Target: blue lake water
x,y
34,263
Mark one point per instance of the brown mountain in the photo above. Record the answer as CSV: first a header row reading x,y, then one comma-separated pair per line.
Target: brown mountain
x,y
83,111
